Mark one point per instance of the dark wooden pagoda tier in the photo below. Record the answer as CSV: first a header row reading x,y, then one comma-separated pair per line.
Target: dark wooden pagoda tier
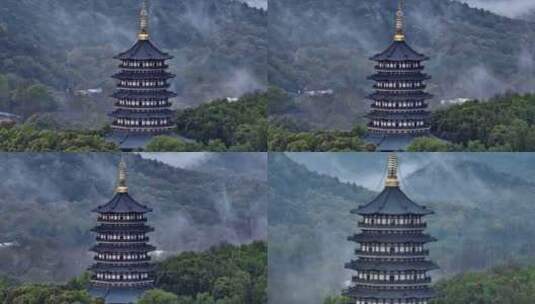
x,y
122,257
399,108
142,105
391,264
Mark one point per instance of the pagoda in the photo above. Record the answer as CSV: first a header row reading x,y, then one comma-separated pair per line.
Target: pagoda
x,y
142,106
399,109
122,270
391,265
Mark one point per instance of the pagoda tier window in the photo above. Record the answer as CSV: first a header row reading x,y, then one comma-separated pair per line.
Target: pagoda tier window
x,y
399,65
127,217
395,248
128,237
142,64
120,277
404,123
143,103
393,219
391,276
123,257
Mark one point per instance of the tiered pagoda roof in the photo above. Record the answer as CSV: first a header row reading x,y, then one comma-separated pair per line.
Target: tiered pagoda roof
x,y
143,50
399,109
391,264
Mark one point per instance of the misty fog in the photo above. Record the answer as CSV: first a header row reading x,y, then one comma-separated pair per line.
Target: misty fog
x,y
509,8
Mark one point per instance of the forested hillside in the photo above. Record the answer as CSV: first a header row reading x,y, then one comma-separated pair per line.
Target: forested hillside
x,y
480,225
317,45
49,198
508,284
50,49
503,123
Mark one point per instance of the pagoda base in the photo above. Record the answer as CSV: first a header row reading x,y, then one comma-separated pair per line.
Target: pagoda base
x,y
390,143
128,141
122,295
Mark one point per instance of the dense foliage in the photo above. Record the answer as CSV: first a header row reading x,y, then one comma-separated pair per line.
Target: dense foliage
x,y
503,123
504,285
281,140
289,133
225,274
240,125
29,139
25,99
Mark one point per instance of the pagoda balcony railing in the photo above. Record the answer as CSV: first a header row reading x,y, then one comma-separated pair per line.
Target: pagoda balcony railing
x,y
392,226
144,129
396,69
138,87
395,128
101,240
413,89
415,254
144,108
399,130
129,68
122,261
123,283
119,222
391,282
399,109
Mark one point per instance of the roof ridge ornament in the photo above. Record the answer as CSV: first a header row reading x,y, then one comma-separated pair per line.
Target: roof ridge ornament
x,y
122,175
144,22
392,171
399,35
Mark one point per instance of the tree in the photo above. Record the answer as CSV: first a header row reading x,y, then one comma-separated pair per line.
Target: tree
x,y
337,300
166,144
4,93
33,99
428,144
158,296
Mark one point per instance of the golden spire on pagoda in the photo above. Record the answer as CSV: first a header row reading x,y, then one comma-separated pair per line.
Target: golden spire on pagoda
x,y
144,22
400,35
121,177
392,171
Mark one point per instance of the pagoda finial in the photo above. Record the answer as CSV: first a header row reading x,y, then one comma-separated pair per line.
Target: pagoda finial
x,y
144,22
400,35
121,177
392,171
